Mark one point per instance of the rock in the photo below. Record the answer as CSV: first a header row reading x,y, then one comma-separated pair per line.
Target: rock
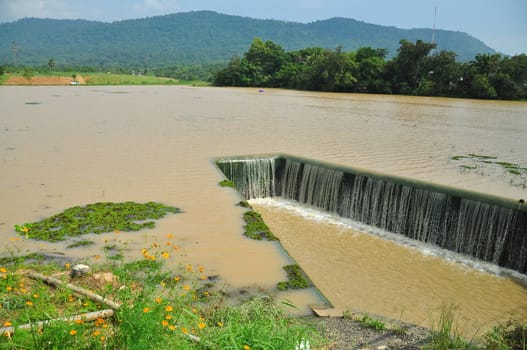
x,y
79,270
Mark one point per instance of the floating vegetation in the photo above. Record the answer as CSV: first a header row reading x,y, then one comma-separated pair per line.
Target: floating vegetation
x,y
96,218
83,243
479,161
255,227
227,183
296,279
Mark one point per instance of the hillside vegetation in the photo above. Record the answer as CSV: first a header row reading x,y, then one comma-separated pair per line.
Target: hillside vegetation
x,y
199,37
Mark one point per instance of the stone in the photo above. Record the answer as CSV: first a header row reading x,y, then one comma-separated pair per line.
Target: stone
x,y
79,270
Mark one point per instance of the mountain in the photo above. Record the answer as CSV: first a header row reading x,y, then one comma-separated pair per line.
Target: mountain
x,y
199,37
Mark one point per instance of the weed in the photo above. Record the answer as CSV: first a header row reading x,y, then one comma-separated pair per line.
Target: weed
x,y
96,218
255,227
227,183
82,243
371,322
296,279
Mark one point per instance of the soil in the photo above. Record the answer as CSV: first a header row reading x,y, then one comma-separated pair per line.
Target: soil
x,y
44,80
346,334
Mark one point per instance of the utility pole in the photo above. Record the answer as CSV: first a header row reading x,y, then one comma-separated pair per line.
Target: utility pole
x,y
434,27
14,48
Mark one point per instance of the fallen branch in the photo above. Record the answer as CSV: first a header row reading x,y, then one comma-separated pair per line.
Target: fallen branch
x,y
56,282
90,316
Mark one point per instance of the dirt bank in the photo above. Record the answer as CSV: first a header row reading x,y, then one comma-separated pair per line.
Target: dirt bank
x,y
44,80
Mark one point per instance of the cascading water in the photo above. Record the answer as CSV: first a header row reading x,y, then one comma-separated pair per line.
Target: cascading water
x,y
486,228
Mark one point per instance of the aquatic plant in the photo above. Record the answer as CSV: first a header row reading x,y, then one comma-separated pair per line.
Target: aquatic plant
x,y
96,218
296,278
227,183
255,227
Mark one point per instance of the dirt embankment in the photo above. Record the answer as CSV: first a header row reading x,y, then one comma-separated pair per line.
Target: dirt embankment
x,y
44,80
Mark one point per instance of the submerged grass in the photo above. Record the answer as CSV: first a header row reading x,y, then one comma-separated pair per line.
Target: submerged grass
x,y
96,218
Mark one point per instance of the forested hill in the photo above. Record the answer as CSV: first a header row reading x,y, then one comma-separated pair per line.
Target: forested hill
x,y
199,37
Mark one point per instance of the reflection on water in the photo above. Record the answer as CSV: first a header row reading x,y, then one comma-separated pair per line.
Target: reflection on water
x,y
82,145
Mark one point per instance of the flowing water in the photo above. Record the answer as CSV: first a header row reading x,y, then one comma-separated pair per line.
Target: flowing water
x,y
66,146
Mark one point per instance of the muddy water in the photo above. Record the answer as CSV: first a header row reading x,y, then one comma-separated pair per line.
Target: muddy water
x,y
66,146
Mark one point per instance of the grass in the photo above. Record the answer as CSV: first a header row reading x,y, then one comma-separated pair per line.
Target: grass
x,y
162,307
96,218
255,227
296,279
98,78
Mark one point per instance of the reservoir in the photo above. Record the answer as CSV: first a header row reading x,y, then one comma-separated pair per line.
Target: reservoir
x,y
67,146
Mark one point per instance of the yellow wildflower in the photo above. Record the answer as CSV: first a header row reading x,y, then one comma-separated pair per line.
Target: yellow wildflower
x,y
29,303
165,255
168,317
79,321
176,278
35,296
186,287
3,270
220,324
67,266
184,330
189,268
246,347
7,324
172,327
170,236
159,300
96,333
201,269
73,332
164,323
169,308
146,310
201,325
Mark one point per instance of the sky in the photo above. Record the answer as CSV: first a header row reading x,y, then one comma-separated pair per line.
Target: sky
x,y
501,24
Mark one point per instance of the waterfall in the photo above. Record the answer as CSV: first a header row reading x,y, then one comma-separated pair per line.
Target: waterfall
x,y
484,227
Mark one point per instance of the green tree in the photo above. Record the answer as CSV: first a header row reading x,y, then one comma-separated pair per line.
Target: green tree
x,y
264,60
51,64
443,75
28,74
408,69
370,69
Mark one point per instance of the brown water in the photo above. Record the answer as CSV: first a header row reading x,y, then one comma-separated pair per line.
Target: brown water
x,y
66,146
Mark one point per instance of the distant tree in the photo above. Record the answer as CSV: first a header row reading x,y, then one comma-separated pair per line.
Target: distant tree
x,y
370,69
51,64
408,69
443,75
2,70
28,74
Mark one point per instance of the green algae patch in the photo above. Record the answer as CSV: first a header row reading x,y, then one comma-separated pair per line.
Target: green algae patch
x,y
296,278
96,218
256,228
227,183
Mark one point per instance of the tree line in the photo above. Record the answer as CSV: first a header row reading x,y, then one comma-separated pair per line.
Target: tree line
x,y
417,69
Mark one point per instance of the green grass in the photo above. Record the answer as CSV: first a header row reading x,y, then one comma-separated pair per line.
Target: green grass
x,y
124,79
255,227
162,307
96,218
296,278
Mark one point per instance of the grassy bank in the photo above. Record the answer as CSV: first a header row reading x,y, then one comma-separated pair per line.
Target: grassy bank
x,y
63,78
159,307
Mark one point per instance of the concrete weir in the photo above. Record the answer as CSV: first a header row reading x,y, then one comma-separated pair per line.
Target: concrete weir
x,y
485,227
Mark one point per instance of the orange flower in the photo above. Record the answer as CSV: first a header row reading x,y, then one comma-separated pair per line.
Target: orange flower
x,y
96,333
3,270
165,255
170,236
189,268
146,310
185,287
7,324
201,325
164,323
169,308
168,317
159,300
79,321
184,330
246,347
73,332
201,269
29,303
172,327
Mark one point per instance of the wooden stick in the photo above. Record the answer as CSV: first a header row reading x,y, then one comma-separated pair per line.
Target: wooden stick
x,y
90,316
56,282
